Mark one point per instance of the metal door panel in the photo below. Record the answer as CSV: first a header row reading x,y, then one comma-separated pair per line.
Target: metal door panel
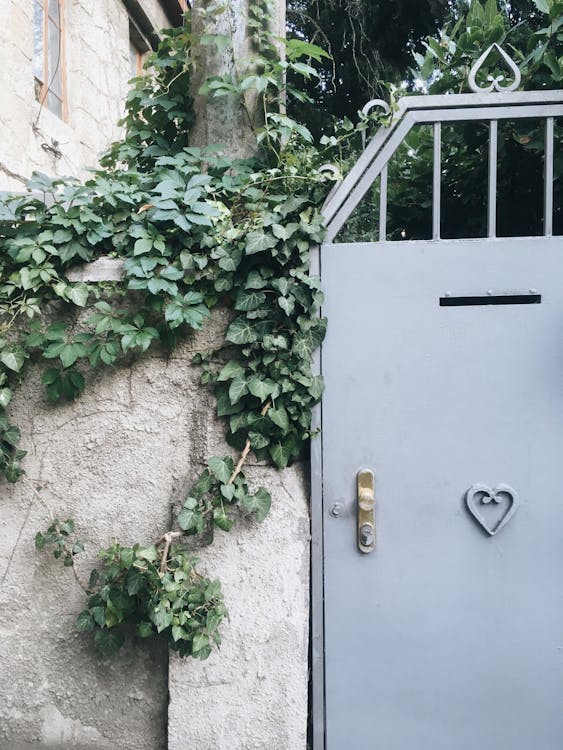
x,y
443,638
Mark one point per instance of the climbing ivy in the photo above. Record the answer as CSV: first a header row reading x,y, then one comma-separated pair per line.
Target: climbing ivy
x,y
195,229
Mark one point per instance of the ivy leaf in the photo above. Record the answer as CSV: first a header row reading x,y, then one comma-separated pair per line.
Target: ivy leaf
x,y
279,417
250,300
134,582
161,617
187,519
84,622
221,520
178,633
78,294
147,553
317,387
5,397
221,468
257,440
99,615
281,452
241,332
237,389
228,491
258,504
145,629
232,369
542,5
13,359
261,388
255,280
257,242
200,644
108,642
287,304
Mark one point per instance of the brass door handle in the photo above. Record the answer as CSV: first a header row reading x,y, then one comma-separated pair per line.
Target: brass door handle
x,y
366,510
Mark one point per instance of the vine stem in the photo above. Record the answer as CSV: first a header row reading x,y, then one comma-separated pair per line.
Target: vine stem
x,y
29,483
246,449
169,537
79,580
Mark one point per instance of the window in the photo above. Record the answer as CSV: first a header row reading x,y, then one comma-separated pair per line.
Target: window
x,y
48,54
138,49
136,59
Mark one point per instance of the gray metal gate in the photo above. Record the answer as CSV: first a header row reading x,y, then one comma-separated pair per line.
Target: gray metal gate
x,y
437,609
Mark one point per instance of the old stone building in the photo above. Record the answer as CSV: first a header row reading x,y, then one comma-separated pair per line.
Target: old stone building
x,y
64,71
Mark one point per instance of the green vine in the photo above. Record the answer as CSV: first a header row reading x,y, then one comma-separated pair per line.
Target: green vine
x,y
195,230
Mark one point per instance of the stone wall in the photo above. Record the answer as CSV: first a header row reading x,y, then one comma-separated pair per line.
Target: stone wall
x,y
96,50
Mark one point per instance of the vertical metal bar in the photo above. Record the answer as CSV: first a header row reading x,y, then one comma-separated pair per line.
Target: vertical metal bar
x,y
383,205
317,552
492,201
436,181
548,179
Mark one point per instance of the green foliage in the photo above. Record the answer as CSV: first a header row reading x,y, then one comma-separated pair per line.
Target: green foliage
x,y
131,594
58,536
195,229
217,492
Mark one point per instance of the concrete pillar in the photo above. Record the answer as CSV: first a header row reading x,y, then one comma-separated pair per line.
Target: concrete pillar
x,y
252,694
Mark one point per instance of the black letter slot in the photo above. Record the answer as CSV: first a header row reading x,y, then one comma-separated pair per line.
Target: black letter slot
x,y
491,299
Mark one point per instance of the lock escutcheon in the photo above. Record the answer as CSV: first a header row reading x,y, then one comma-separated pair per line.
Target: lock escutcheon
x,y
366,510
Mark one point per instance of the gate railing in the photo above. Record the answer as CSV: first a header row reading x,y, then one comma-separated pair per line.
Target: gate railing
x,y
487,105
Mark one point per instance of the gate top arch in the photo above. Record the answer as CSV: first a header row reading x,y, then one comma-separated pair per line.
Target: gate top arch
x,y
486,104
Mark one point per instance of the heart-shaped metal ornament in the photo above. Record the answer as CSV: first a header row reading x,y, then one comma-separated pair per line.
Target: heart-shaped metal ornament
x,y
502,496
495,81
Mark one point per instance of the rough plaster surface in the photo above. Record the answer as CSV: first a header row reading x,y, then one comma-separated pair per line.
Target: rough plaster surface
x,y
252,695
116,460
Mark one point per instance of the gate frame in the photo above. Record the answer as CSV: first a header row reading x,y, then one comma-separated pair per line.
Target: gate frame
x,y
492,104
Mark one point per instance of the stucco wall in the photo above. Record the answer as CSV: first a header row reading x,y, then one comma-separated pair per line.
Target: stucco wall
x,y
117,460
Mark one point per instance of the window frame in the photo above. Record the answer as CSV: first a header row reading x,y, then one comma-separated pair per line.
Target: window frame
x,y
43,88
